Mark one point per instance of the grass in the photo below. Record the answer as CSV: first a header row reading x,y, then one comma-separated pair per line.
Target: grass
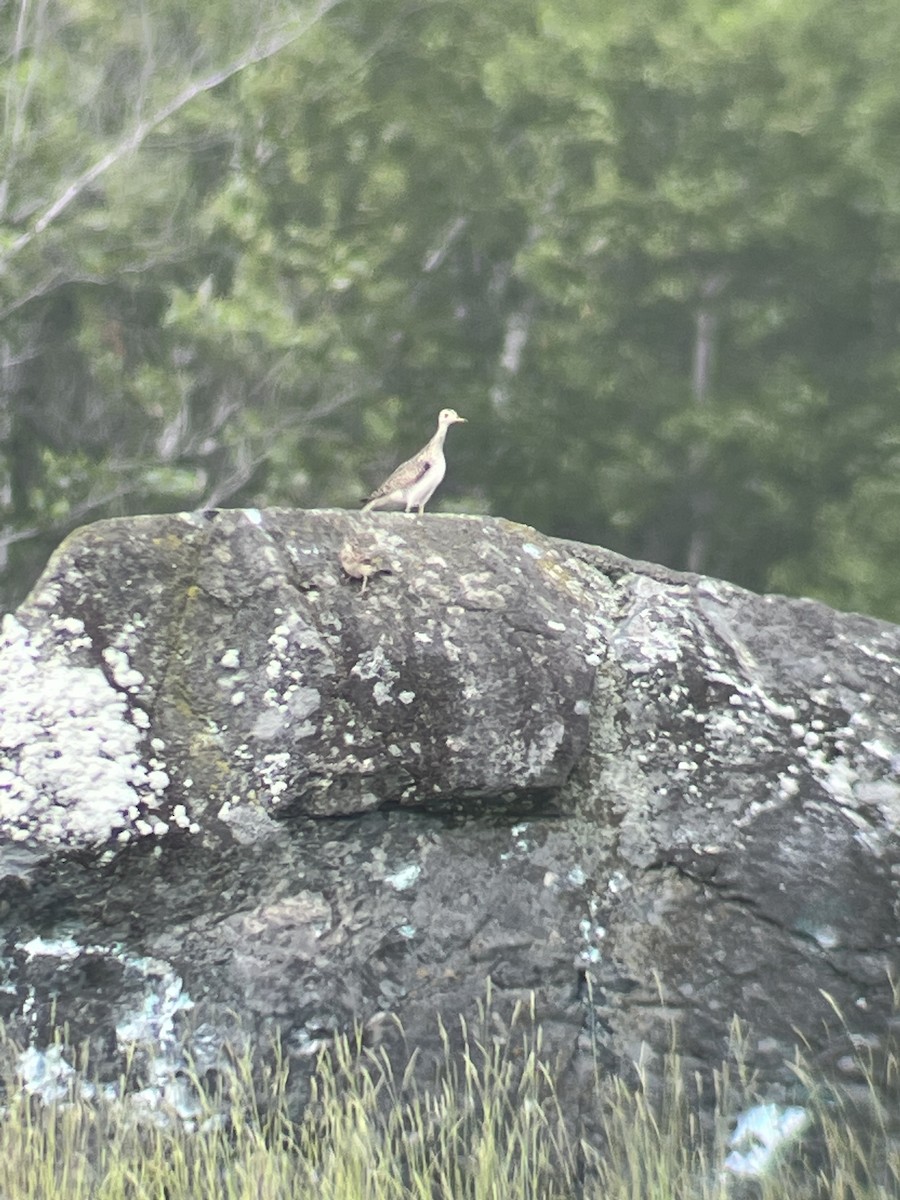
x,y
488,1126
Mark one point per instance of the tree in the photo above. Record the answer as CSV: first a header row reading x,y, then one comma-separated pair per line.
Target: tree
x,y
116,128
714,305
649,249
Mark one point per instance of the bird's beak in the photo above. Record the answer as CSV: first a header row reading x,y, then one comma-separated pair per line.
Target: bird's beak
x,y
460,421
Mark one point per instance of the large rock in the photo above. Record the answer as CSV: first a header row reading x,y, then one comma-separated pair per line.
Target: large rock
x,y
230,772
243,665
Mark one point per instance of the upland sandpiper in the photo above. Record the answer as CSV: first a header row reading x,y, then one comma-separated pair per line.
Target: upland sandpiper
x,y
413,483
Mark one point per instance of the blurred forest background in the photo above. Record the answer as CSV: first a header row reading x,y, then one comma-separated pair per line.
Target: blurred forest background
x,y
650,248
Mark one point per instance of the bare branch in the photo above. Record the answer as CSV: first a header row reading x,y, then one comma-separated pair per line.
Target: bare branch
x,y
450,235
18,91
72,518
130,143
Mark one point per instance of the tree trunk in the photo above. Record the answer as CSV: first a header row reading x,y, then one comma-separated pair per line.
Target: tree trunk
x,y
706,328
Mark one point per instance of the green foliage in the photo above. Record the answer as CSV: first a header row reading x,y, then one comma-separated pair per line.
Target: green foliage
x,y
651,250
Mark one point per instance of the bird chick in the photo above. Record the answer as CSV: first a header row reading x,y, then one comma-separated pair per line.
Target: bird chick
x,y
361,560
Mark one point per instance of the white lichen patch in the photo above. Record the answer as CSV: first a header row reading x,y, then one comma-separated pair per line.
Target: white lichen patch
x,y
180,817
73,631
293,639
760,1133
157,779
592,934
151,1028
788,786
48,1075
302,701
288,701
838,777
122,672
275,773
154,1024
450,650
476,589
649,637
541,751
65,949
274,720
71,767
374,664
403,879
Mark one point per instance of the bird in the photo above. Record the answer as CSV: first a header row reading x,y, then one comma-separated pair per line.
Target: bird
x,y
361,559
413,483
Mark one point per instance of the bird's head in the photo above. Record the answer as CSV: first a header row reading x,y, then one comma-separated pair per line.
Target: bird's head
x,y
449,416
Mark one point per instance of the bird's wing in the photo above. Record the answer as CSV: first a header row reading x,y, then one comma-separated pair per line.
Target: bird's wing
x,y
405,476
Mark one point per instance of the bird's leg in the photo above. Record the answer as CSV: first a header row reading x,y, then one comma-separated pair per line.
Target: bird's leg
x,y
421,509
365,581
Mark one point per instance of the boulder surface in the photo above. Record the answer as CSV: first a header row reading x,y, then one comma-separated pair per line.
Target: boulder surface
x,y
239,775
